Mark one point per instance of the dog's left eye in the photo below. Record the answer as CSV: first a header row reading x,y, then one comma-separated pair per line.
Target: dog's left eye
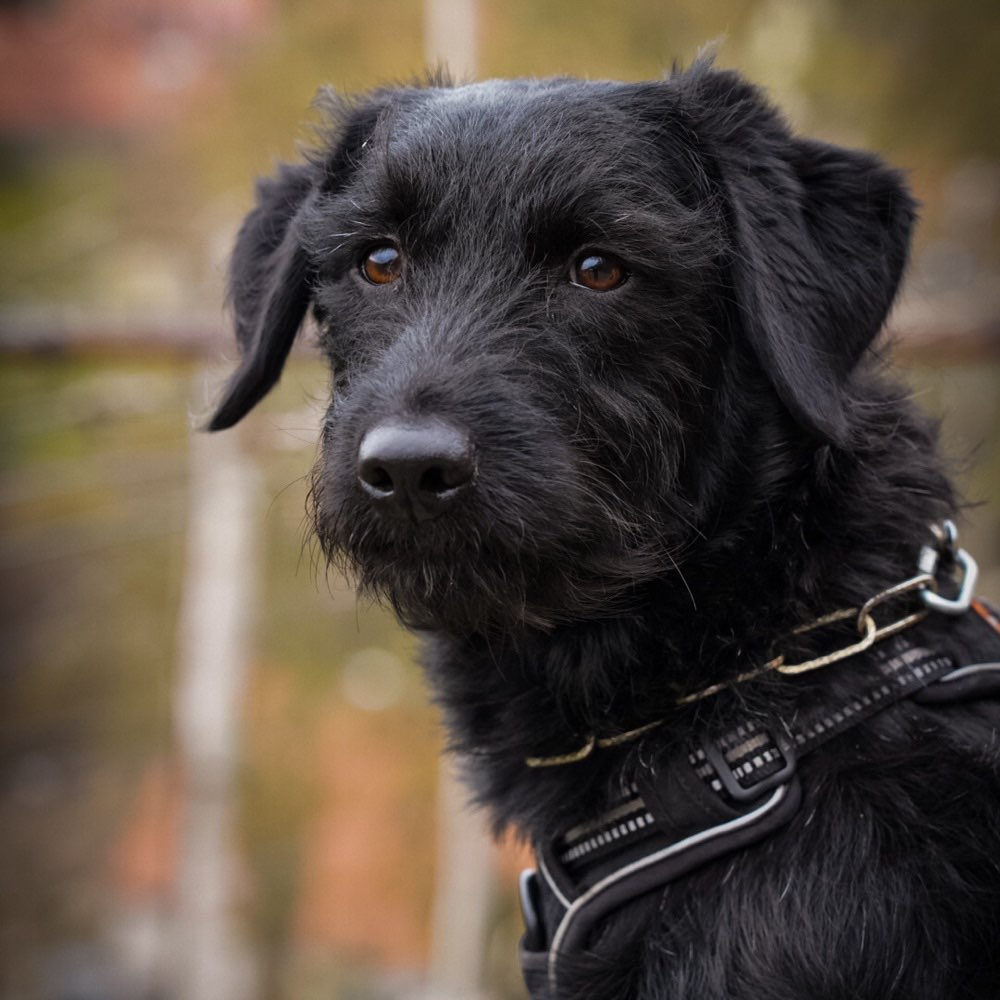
x,y
598,271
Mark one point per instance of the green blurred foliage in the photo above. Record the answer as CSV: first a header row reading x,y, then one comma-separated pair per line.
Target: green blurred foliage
x,y
928,69
92,476
119,221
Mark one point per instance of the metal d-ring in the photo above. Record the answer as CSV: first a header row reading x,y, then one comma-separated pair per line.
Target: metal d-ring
x,y
960,604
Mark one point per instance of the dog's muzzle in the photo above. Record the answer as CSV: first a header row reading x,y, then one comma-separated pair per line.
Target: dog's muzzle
x,y
415,467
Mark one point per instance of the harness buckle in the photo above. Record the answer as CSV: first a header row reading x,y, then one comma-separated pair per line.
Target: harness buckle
x,y
730,781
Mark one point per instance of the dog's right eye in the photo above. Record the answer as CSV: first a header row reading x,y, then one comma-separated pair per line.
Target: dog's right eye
x,y
382,265
597,271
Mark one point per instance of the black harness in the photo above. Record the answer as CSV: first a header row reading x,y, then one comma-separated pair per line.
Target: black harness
x,y
724,793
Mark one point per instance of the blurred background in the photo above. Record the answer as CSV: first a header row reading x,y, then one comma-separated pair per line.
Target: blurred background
x,y
219,774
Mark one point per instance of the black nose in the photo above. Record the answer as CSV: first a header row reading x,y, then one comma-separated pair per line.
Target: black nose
x,y
418,466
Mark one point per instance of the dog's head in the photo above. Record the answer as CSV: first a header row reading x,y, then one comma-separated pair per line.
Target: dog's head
x,y
564,319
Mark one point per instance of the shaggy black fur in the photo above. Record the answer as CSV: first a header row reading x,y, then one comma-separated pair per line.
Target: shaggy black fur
x,y
670,476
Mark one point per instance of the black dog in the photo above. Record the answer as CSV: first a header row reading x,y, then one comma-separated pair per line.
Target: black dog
x,y
606,424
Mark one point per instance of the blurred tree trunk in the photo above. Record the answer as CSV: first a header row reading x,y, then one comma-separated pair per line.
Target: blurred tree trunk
x,y
463,894
463,888
450,36
209,961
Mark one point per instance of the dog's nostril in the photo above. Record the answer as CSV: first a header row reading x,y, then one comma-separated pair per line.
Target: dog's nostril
x,y
376,478
418,466
442,479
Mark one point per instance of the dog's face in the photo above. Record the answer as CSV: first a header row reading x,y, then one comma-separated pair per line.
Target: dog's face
x,y
564,319
512,287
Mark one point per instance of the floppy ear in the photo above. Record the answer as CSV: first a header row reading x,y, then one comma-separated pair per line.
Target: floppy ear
x,y
820,237
270,278
268,289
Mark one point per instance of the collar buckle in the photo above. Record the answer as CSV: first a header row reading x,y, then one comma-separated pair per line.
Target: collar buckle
x,y
730,778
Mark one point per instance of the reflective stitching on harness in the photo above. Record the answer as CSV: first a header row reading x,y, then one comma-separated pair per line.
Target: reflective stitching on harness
x,y
749,757
775,799
969,671
547,875
628,806
602,838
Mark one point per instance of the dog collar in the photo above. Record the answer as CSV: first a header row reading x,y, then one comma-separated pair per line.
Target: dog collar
x,y
728,790
924,585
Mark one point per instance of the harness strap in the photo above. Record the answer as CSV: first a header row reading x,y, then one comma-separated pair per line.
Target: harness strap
x,y
727,791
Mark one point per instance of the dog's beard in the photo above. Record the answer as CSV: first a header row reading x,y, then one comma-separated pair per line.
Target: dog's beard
x,y
546,536
470,572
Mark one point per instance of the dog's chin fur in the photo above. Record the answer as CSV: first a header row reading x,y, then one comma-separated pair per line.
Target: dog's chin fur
x,y
428,593
490,575
670,478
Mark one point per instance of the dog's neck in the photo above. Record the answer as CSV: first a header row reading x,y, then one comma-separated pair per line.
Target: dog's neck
x,y
730,606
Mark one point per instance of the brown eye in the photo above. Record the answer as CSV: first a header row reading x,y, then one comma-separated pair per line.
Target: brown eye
x,y
382,265
598,272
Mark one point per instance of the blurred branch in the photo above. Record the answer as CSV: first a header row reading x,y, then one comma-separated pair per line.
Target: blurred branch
x,y
214,341
209,959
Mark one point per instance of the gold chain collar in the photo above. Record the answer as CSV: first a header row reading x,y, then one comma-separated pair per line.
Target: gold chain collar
x,y
923,584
